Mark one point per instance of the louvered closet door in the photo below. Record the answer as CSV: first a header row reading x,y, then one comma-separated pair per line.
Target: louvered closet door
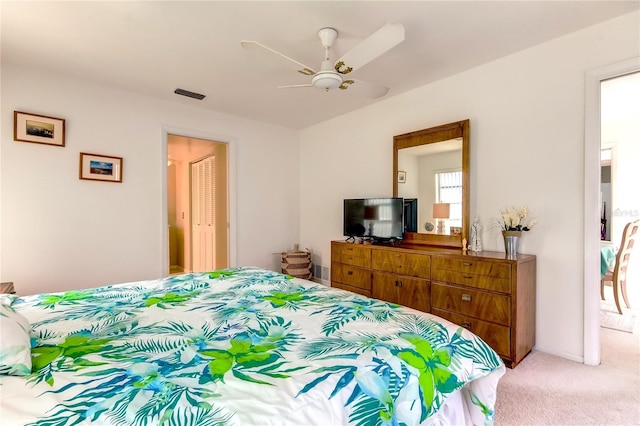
x,y
203,207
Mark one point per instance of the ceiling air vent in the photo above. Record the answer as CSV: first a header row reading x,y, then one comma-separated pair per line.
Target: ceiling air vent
x,y
189,94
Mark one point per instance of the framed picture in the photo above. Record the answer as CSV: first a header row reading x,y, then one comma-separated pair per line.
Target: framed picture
x,y
38,129
100,167
402,176
455,230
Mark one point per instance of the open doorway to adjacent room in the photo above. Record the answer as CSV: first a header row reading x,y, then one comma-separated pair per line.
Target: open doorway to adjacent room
x,y
619,205
197,204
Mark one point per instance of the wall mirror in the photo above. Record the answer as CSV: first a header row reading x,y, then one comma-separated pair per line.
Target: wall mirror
x,y
431,172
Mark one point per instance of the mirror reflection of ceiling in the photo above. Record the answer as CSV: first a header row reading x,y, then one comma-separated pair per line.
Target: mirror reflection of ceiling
x,y
432,148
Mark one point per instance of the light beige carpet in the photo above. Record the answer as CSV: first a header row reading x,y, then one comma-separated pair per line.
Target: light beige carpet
x,y
547,390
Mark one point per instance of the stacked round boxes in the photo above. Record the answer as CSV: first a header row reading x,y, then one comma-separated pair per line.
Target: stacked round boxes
x,y
297,264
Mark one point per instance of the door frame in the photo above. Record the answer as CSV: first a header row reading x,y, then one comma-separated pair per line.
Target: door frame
x,y
592,146
231,190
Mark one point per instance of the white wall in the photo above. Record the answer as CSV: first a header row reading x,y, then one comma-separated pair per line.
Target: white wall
x,y
60,233
527,147
411,186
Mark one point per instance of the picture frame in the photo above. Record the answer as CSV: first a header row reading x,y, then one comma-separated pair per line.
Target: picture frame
x,y
455,230
402,176
40,129
104,168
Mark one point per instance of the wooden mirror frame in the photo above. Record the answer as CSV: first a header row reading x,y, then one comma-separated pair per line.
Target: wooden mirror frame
x,y
459,129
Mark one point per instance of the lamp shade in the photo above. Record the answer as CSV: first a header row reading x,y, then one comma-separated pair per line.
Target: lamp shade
x,y
441,210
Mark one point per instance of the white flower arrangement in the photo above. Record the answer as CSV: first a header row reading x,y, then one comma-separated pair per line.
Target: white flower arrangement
x,y
515,220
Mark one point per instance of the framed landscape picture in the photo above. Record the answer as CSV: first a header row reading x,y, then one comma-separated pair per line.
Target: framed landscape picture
x,y
38,129
100,167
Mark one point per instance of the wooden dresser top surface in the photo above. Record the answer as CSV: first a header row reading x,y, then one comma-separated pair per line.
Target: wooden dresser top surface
x,y
494,255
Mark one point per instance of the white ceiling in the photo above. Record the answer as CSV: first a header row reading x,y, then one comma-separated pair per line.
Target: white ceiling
x,y
153,47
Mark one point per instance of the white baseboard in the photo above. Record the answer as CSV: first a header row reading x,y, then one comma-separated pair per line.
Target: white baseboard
x,y
566,355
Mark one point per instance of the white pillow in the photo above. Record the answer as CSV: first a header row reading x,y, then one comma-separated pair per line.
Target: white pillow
x,y
15,345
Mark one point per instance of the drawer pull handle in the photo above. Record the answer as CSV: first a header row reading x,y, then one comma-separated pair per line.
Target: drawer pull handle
x,y
398,283
467,264
468,277
349,272
466,297
467,325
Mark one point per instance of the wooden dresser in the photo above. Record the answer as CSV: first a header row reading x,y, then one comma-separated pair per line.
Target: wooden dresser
x,y
490,295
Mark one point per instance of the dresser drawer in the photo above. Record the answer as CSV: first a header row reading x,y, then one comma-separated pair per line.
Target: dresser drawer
x,y
351,289
351,254
472,266
482,305
397,262
496,336
502,285
351,275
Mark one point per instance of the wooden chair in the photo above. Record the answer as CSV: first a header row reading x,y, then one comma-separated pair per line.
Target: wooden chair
x,y
618,276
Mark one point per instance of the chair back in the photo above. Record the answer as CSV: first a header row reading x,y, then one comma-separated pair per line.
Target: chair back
x,y
629,236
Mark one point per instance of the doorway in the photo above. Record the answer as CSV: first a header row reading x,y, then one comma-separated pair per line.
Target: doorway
x,y
592,198
197,204
620,151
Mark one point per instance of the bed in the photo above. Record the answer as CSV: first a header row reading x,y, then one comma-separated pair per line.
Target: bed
x,y
241,346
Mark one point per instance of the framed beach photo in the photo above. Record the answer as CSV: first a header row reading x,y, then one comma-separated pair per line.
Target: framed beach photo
x,y
100,167
402,176
38,129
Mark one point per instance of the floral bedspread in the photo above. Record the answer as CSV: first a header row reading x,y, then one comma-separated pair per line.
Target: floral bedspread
x,y
242,346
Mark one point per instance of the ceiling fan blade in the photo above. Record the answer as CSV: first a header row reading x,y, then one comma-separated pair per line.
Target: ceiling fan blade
x,y
370,48
295,86
362,88
269,53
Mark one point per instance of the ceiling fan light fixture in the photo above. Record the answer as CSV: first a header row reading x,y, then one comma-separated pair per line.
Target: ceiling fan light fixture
x,y
326,80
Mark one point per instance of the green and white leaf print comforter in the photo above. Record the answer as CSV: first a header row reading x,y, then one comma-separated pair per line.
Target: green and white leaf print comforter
x,y
244,346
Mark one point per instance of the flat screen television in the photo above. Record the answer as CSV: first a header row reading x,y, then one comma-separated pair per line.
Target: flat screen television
x,y
379,219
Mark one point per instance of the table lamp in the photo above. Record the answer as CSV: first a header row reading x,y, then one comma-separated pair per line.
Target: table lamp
x,y
440,213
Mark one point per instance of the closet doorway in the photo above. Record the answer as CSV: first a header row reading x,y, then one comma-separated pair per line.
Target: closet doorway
x,y
197,204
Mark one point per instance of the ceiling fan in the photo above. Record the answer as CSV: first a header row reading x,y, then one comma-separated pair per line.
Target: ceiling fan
x,y
330,75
